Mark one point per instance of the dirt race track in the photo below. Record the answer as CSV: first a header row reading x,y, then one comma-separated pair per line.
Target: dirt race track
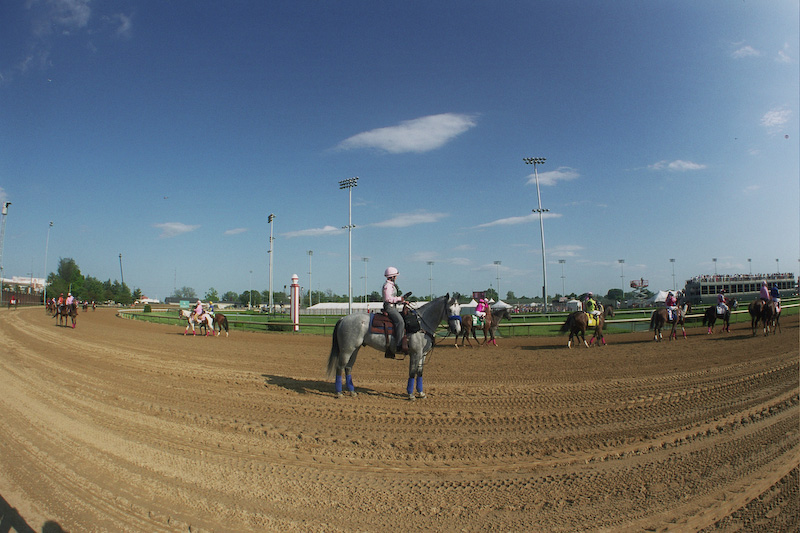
x,y
122,425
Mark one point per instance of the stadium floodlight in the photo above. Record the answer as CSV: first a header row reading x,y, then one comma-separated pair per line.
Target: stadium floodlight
x,y
348,184
535,161
46,245
270,218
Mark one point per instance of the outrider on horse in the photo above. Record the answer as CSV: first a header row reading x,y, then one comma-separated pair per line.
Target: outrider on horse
x,y
354,331
579,321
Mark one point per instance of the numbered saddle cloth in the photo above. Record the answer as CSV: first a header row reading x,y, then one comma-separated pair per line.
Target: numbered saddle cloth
x,y
592,320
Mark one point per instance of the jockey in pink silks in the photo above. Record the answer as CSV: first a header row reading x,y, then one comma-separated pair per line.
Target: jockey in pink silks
x,y
764,294
480,309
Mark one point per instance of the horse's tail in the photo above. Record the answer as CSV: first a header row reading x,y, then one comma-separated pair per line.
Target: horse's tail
x,y
333,358
653,320
568,324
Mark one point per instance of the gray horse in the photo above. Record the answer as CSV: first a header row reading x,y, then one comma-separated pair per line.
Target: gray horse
x,y
353,331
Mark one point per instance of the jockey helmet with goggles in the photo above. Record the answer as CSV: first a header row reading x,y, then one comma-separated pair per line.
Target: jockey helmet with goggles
x,y
390,272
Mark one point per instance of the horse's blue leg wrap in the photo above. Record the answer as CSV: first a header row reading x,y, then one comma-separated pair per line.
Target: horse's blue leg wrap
x,y
350,386
419,383
410,387
338,383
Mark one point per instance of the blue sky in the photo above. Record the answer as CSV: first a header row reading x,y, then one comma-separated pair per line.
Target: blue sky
x,y
169,131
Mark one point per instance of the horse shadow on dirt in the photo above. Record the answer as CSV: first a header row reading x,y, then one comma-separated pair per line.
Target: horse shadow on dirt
x,y
315,386
10,520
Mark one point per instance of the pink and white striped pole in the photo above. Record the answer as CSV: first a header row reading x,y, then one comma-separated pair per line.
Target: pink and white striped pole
x,y
295,302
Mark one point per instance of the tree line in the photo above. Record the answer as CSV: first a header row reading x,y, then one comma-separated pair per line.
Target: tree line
x,y
68,278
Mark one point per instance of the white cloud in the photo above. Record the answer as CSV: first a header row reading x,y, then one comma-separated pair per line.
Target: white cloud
x,y
745,51
3,196
512,221
565,250
235,231
783,55
314,232
173,229
676,166
775,118
417,135
554,176
410,219
124,25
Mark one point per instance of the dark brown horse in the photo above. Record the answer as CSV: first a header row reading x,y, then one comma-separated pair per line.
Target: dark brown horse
x,y
578,322
765,312
660,317
65,311
221,321
489,327
712,314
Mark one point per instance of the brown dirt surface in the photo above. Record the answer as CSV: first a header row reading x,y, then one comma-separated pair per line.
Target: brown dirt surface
x,y
123,425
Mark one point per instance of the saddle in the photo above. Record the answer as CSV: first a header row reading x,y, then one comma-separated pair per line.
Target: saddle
x,y
381,323
591,320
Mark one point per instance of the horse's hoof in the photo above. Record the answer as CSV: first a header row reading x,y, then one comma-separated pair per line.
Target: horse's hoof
x,y
411,397
338,395
352,393
422,395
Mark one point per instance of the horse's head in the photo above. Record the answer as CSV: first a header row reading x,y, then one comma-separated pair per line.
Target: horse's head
x,y
454,316
609,311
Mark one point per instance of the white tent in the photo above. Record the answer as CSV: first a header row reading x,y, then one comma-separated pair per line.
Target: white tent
x,y
659,297
574,305
500,304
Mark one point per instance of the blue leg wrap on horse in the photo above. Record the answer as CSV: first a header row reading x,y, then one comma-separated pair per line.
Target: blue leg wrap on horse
x,y
419,383
350,383
338,383
410,387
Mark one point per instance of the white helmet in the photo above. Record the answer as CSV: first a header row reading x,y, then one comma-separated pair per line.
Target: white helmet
x,y
390,272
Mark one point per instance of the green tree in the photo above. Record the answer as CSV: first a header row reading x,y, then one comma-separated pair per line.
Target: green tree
x,y
230,296
244,298
211,295
137,294
510,296
185,293
615,294
491,294
93,290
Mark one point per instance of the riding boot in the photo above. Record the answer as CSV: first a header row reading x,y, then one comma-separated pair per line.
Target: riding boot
x,y
391,347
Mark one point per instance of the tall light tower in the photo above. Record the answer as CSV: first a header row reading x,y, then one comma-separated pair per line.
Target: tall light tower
x,y
497,275
563,282
430,280
250,292
310,287
622,276
777,266
366,260
270,218
2,243
673,274
46,245
121,275
535,161
348,184
714,259
750,264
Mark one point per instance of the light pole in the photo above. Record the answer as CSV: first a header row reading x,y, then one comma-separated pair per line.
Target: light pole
x,y
777,267
366,260
714,259
348,184
310,299
121,275
430,280
673,274
563,282
535,161
270,218
46,245
750,264
497,275
250,292
2,243
622,276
